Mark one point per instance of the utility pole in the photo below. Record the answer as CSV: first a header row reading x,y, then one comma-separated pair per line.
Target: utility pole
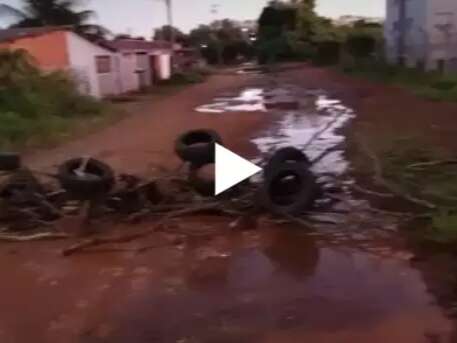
x,y
170,22
172,39
220,49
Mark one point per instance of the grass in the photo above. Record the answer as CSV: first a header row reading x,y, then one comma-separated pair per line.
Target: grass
x,y
429,85
194,76
444,227
436,184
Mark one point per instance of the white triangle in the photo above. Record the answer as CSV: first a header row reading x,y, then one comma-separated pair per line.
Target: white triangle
x,y
231,169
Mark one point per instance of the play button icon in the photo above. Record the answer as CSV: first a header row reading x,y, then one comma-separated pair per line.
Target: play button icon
x,y
231,169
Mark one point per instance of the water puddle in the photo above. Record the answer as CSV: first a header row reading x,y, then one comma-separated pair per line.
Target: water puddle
x,y
249,100
316,113
313,121
303,114
285,286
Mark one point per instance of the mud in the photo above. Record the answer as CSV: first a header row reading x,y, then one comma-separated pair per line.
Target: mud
x,y
350,279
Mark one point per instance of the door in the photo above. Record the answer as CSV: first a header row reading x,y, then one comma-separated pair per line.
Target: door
x,y
153,69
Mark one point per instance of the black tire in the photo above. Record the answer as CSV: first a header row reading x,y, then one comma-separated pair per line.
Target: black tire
x,y
293,196
9,161
197,147
100,182
285,155
21,188
203,186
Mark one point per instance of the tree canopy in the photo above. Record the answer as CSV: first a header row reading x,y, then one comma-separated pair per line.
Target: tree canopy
x,y
35,13
166,32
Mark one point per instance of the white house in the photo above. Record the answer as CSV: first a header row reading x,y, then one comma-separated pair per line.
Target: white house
x,y
101,69
422,33
151,60
94,67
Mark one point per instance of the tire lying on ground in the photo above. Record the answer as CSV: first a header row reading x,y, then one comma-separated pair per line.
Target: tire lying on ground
x,y
285,156
21,188
202,179
96,179
9,161
198,146
289,189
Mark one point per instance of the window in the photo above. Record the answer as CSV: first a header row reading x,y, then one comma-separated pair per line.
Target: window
x,y
103,64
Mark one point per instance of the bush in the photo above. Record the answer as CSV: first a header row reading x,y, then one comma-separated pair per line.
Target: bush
x,y
361,44
33,103
328,52
187,77
445,84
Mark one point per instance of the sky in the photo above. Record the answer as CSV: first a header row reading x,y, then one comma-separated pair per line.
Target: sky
x,y
139,17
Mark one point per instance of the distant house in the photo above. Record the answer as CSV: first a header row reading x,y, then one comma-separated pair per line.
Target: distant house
x,y
94,67
422,33
151,59
100,69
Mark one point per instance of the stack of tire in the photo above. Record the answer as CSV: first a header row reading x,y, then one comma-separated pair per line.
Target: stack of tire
x,y
290,187
197,148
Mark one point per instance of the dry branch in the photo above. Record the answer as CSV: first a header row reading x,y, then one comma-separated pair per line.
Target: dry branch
x,y
379,179
97,241
319,133
36,237
431,164
371,192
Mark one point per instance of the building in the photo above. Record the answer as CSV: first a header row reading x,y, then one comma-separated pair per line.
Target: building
x,y
151,60
102,69
422,33
94,67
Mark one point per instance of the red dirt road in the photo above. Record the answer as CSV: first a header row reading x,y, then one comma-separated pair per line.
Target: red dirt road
x,y
216,285
148,132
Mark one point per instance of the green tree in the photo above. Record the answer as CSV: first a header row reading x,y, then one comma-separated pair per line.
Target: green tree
x,y
203,34
276,31
166,32
222,41
36,13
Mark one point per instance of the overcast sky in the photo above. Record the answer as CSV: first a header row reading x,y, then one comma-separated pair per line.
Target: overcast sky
x,y
139,17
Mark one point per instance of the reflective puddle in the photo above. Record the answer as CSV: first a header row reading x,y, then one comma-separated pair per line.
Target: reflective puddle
x,y
349,279
284,286
249,100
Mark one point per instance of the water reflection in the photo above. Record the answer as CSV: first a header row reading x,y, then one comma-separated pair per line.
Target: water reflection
x,y
320,115
291,252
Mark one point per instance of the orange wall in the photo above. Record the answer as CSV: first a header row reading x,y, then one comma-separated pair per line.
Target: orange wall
x,y
49,50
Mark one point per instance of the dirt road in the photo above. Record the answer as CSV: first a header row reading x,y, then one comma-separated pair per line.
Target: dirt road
x,y
151,127
353,281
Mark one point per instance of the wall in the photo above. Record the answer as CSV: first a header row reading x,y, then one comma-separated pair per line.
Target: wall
x,y
424,41
413,30
129,78
163,66
442,46
48,50
82,55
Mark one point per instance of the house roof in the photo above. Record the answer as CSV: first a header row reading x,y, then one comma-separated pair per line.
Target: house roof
x,y
138,44
9,35
17,33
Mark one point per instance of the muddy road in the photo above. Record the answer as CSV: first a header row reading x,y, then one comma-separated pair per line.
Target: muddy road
x,y
352,278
